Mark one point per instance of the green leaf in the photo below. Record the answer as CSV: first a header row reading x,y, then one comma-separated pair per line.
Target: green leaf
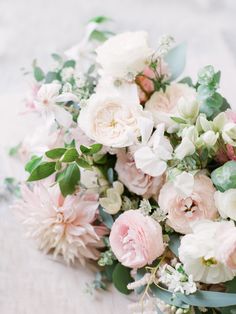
x,y
178,120
174,244
93,149
52,76
108,270
212,105
121,278
55,153
70,155
38,74
168,297
100,36
187,80
33,163
57,57
106,218
69,64
70,179
224,177
100,159
175,59
42,171
13,151
83,163
100,19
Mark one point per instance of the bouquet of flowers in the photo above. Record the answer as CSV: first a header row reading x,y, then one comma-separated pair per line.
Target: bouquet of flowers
x,y
134,170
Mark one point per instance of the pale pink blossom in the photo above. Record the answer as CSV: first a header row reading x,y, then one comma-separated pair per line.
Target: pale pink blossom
x,y
163,104
184,209
43,138
135,179
226,248
136,240
61,225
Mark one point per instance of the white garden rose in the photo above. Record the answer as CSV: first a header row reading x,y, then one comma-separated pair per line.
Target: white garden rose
x,y
114,118
226,203
198,252
124,54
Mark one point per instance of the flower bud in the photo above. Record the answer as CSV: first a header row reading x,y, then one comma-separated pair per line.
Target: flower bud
x,y
229,133
210,138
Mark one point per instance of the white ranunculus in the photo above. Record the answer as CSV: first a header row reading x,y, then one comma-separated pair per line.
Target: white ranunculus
x,y
185,148
151,157
229,133
114,118
226,203
209,138
124,53
198,253
46,102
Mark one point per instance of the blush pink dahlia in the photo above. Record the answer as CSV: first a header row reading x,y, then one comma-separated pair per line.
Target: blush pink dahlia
x,y
62,225
135,239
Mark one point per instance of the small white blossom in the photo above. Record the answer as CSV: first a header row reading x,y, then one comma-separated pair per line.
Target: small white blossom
x,y
145,207
176,279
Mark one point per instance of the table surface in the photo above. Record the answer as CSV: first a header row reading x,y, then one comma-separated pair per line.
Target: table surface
x,y
29,281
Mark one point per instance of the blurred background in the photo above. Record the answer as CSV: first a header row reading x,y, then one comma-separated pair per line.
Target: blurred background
x,y
29,29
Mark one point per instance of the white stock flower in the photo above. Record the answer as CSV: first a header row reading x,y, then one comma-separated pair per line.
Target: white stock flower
x,y
209,138
226,203
46,103
151,158
188,109
198,253
229,133
124,53
185,148
114,117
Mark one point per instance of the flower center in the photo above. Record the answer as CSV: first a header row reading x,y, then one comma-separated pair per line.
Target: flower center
x,y
209,261
113,123
59,217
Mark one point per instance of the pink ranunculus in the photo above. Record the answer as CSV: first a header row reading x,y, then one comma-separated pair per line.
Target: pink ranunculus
x,y
226,239
145,80
134,179
182,211
64,226
224,155
136,240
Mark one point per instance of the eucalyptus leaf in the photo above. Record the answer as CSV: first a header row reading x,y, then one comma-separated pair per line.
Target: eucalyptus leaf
x,y
174,243
69,64
106,218
224,177
99,19
121,278
38,74
52,76
176,59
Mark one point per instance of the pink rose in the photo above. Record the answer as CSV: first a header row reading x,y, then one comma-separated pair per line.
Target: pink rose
x,y
226,250
134,179
136,240
183,210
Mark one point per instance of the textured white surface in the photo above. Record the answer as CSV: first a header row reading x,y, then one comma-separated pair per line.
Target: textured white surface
x,y
30,282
